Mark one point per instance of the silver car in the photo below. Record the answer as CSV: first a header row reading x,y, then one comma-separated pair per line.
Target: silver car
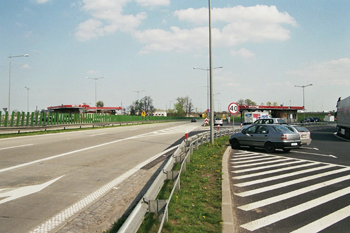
x,y
268,136
305,135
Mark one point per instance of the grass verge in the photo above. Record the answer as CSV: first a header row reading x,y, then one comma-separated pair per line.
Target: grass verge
x,y
196,207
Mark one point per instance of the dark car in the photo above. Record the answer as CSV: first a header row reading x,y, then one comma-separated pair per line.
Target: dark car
x,y
310,119
193,120
268,136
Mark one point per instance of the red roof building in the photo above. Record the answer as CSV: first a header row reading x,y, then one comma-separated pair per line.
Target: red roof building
x,y
83,108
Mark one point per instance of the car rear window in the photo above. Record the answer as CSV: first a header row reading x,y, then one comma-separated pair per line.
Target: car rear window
x,y
280,128
301,129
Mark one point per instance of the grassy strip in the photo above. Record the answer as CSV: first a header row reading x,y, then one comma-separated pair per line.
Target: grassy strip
x,y
197,206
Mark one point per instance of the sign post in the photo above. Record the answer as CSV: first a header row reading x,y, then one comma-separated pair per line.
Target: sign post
x,y
233,108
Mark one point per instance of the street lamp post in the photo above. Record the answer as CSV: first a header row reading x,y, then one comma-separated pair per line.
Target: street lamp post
x,y
96,88
211,80
27,98
304,95
9,100
207,69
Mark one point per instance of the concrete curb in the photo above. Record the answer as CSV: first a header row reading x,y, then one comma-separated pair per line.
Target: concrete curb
x,y
227,213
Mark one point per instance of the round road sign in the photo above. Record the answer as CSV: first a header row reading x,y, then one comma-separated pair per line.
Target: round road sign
x,y
233,108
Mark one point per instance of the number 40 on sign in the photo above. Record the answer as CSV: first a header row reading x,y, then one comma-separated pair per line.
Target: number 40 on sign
x,y
233,108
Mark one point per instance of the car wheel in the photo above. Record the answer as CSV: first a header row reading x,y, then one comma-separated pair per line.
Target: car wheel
x,y
235,144
269,147
286,150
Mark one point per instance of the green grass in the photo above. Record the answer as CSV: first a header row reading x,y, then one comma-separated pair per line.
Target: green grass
x,y
196,207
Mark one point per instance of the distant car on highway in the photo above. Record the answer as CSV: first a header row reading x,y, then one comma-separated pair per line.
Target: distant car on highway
x,y
305,135
219,122
267,136
310,119
193,120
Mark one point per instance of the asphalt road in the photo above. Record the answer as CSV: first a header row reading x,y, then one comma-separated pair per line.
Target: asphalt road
x,y
41,176
306,190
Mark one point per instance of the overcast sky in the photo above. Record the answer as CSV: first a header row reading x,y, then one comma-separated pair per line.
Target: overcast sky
x,y
149,48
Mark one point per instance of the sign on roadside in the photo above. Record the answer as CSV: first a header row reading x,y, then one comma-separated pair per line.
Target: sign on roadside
x,y
233,108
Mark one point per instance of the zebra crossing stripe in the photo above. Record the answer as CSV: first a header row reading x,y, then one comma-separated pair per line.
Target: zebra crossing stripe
x,y
270,219
283,176
265,167
288,183
291,194
270,160
326,221
252,157
275,170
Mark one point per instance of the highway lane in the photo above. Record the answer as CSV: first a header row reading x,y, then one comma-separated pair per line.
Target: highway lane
x,y
306,190
40,176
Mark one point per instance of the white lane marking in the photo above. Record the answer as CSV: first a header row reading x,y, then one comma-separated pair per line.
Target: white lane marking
x,y
273,218
75,208
326,221
292,182
293,193
270,161
266,167
283,176
307,153
14,194
93,135
77,151
12,147
246,158
275,170
263,158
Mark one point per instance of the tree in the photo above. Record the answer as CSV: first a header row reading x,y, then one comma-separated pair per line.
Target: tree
x,y
147,104
184,106
268,103
99,103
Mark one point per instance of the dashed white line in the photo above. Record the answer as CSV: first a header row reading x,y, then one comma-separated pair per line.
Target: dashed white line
x,y
7,148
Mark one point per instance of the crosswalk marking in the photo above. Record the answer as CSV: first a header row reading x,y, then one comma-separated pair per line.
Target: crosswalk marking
x,y
283,176
275,170
291,194
326,221
262,163
288,183
270,219
262,168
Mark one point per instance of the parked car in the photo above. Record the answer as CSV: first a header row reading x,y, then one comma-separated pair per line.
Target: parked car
x,y
266,121
310,119
219,122
268,136
305,135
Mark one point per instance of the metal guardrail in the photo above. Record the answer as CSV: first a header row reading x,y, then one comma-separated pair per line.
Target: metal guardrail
x,y
149,203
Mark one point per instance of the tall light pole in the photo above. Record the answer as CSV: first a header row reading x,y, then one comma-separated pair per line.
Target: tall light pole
x,y
211,80
138,94
27,98
96,88
9,101
207,69
304,95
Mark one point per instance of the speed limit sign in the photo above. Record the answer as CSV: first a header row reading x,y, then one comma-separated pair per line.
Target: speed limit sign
x,y
233,108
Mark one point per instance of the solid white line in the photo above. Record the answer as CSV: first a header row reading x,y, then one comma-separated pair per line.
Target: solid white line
x,y
291,194
283,176
75,208
288,183
93,135
6,148
273,218
275,170
249,156
326,221
300,152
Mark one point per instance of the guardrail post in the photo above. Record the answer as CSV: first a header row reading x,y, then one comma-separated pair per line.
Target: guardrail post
x,y
158,206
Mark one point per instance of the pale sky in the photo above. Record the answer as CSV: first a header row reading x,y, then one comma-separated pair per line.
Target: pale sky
x,y
149,48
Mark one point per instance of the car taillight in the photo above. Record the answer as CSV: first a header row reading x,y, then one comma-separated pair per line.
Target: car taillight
x,y
283,136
